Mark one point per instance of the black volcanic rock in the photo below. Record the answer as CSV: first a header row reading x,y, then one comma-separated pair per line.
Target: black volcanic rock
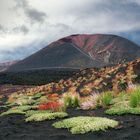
x,y
81,51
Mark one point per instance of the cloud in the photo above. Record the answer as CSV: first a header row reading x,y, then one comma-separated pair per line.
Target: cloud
x,y
18,29
22,29
132,35
33,14
19,52
2,29
32,24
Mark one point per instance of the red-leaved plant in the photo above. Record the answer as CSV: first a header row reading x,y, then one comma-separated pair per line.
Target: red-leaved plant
x,y
54,106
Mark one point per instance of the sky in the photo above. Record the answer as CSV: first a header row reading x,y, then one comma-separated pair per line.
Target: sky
x,y
29,25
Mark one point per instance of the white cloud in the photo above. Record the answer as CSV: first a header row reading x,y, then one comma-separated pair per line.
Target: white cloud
x,y
26,22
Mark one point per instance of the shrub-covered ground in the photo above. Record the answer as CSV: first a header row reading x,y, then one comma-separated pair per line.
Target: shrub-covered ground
x,y
38,116
112,93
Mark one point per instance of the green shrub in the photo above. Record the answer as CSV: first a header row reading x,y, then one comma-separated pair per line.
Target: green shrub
x,y
68,101
135,98
135,111
12,111
25,100
76,102
71,102
81,125
117,111
10,104
105,99
46,116
32,112
122,109
38,95
42,99
122,97
25,107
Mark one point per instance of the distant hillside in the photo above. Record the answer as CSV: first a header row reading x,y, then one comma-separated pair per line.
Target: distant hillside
x,y
5,65
35,77
81,51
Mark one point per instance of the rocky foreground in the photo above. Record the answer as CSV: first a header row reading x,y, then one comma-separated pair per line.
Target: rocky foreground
x,y
14,127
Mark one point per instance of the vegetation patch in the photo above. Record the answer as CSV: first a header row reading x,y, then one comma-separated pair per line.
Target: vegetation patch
x,y
55,106
32,112
71,101
105,99
135,98
81,125
45,116
25,108
12,111
122,110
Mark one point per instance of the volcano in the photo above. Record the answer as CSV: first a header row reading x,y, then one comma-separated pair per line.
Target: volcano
x,y
81,51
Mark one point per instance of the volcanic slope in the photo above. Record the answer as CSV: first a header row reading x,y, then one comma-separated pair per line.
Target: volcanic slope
x,y
88,81
81,51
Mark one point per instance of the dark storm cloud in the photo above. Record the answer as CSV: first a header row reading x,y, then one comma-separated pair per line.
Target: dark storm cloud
x,y
33,14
